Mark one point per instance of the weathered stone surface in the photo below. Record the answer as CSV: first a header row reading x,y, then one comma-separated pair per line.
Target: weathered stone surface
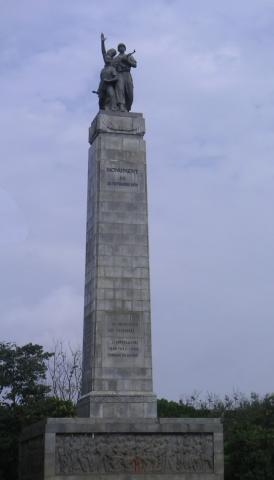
x,y
117,366
165,448
134,453
117,123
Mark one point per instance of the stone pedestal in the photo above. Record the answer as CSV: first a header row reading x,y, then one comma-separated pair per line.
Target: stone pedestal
x,y
159,449
117,366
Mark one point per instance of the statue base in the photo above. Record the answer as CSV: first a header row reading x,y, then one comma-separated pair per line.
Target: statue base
x,y
109,405
162,449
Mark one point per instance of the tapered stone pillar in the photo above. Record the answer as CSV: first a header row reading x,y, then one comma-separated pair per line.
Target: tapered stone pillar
x,y
117,365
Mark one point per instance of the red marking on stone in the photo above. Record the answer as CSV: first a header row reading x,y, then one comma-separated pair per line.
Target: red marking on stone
x,y
137,465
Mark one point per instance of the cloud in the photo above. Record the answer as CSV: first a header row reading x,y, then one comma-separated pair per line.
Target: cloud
x,y
12,224
60,311
204,84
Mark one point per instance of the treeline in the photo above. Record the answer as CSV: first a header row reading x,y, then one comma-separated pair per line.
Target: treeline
x,y
35,384
248,430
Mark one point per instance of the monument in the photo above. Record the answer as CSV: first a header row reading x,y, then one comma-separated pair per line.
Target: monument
x,y
117,366
117,435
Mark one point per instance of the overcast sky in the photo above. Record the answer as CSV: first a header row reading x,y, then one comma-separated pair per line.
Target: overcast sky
x,y
205,84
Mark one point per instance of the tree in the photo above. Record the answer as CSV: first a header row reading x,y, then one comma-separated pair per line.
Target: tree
x,y
22,373
65,371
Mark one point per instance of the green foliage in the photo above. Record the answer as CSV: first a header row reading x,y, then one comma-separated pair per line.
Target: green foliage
x,y
248,430
249,439
168,408
24,399
22,373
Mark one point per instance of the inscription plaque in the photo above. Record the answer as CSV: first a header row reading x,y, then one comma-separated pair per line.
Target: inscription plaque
x,y
124,177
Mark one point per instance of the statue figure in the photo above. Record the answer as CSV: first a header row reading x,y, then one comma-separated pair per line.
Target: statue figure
x,y
116,86
124,87
108,78
106,89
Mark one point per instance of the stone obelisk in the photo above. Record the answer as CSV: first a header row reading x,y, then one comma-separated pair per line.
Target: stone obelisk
x,y
117,364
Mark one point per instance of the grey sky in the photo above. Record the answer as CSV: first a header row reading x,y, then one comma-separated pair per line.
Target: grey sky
x,y
205,83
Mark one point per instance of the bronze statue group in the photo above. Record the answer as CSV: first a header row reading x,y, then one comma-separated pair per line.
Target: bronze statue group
x,y
115,90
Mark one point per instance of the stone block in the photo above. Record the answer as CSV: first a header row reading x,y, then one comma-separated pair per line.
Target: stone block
x,y
117,123
148,449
